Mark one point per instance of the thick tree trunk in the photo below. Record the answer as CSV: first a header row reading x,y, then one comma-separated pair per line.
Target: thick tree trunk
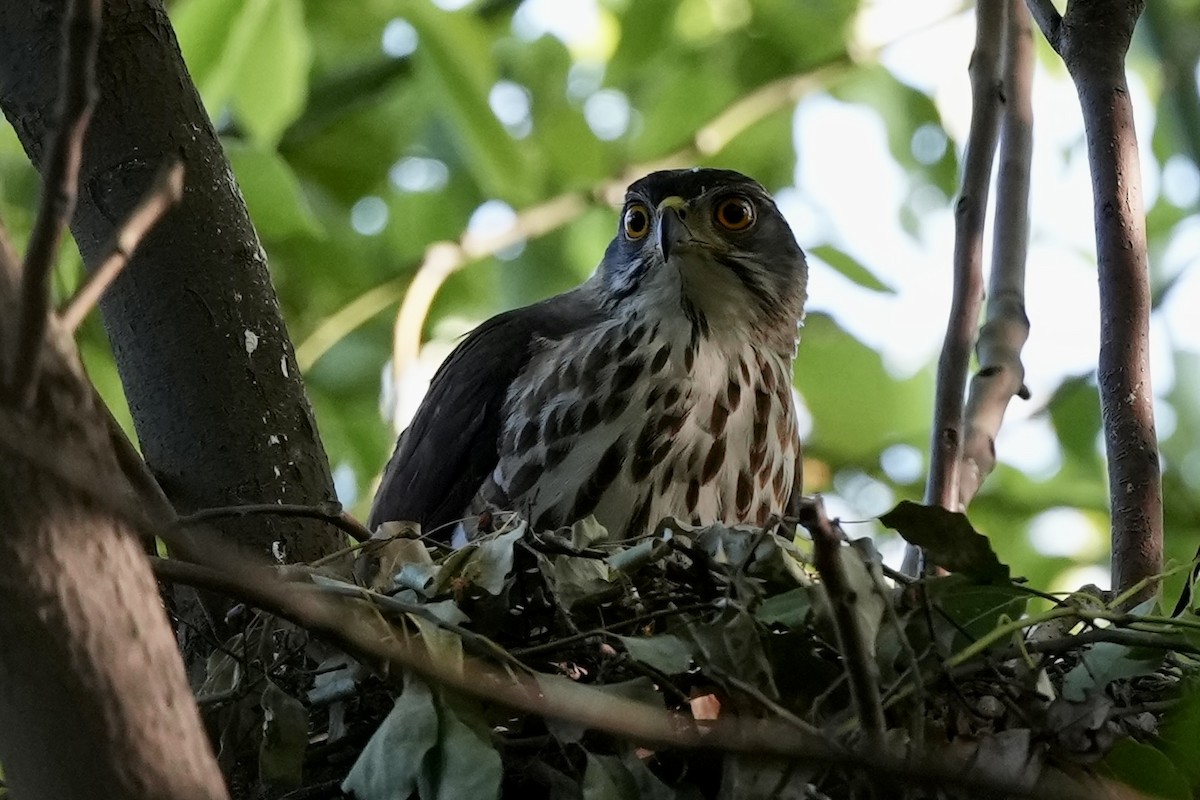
x,y
204,357
95,702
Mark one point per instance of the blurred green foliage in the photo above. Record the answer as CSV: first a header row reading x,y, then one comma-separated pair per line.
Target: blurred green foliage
x,y
361,133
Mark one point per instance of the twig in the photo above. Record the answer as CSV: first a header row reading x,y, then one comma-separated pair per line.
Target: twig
x,y
969,214
1093,39
566,641
326,512
1001,374
860,667
164,192
77,84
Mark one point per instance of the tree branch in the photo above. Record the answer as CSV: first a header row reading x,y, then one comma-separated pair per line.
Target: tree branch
x,y
331,513
1049,20
860,666
1001,374
60,179
969,216
1093,39
164,192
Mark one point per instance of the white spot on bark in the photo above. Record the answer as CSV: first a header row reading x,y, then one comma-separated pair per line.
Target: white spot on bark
x,y
272,439
251,341
278,473
283,365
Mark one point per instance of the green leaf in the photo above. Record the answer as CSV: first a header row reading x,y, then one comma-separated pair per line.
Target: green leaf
x,y
1075,413
453,59
586,532
905,110
272,84
574,579
973,609
850,268
390,764
1180,731
464,764
864,409
1147,770
285,738
224,669
791,608
948,539
606,778
213,36
730,646
273,193
1105,662
493,560
666,653
445,647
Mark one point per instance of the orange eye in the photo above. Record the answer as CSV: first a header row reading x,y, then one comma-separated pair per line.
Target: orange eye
x,y
637,221
735,213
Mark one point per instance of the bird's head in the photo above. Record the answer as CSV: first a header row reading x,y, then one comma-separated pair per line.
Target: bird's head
x,y
711,245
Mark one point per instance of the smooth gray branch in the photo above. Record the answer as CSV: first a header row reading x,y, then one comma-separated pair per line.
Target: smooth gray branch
x,y
941,487
1001,374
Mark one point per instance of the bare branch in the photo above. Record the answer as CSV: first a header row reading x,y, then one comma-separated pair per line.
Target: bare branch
x,y
1001,374
860,666
77,84
1093,40
331,513
969,215
164,192
1049,20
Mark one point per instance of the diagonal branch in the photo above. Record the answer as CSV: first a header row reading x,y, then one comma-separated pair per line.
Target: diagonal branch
x,y
1001,374
81,38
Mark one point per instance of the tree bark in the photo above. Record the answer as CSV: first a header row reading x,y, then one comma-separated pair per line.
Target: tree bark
x,y
204,357
95,702
1093,38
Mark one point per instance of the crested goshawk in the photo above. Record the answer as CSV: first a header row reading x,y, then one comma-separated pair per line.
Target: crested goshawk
x,y
662,386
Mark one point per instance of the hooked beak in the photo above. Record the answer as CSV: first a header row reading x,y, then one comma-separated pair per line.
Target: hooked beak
x,y
672,230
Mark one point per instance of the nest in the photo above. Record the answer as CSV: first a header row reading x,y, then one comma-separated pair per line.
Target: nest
x,y
770,677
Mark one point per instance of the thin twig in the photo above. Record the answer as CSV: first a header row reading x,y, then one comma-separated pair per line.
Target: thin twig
x,y
164,192
78,93
860,667
326,512
566,641
967,297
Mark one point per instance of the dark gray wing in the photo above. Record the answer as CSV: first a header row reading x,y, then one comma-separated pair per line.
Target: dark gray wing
x,y
452,444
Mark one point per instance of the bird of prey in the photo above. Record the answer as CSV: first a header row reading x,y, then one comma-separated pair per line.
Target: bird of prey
x,y
662,386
